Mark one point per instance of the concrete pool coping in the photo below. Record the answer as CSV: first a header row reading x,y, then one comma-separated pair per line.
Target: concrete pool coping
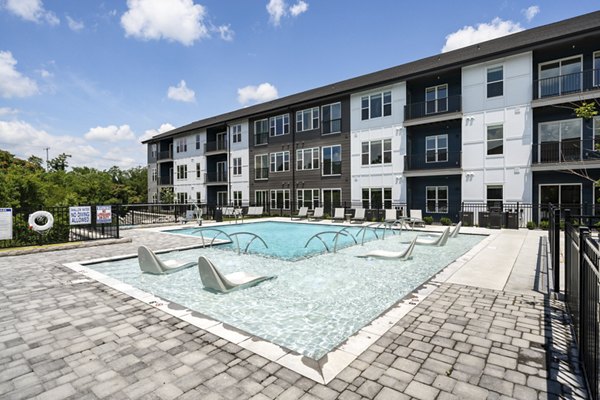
x,y
327,367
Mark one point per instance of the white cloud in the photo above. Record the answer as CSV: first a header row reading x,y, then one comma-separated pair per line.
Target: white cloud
x,y
181,93
225,32
12,82
298,8
111,133
75,25
469,35
45,73
531,12
176,20
257,94
31,10
153,132
8,111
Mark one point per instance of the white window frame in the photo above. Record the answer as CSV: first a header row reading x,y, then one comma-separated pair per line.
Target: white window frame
x,y
236,133
488,83
596,131
285,125
274,158
237,166
339,104
154,174
383,152
261,197
487,140
331,190
596,71
198,143
237,198
437,199
313,120
314,158
181,145
488,199
198,197
437,148
262,157
385,201
560,139
256,131
153,150
316,198
559,191
323,160
560,61
182,197
369,108
436,90
182,172
286,198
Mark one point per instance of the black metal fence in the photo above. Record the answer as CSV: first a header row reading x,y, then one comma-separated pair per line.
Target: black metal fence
x,y
67,227
582,288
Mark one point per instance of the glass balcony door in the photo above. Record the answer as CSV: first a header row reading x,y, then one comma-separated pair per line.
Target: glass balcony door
x,y
560,77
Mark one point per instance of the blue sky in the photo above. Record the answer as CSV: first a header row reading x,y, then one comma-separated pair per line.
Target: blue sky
x,y
92,78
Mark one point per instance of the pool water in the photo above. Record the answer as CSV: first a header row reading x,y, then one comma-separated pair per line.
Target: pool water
x,y
285,240
314,304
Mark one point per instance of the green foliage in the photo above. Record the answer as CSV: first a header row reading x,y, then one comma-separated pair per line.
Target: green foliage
x,y
586,110
428,220
544,224
531,225
445,221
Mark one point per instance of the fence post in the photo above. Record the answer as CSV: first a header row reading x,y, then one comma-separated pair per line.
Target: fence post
x,y
584,233
556,245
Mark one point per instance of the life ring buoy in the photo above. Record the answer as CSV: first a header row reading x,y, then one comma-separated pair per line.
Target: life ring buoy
x,y
33,225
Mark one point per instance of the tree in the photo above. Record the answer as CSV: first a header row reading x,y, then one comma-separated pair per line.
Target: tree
x,y
59,163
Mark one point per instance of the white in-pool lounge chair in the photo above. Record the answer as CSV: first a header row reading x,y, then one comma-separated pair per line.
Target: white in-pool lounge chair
x,y
435,241
338,214
302,213
396,255
319,213
359,216
213,280
453,233
151,264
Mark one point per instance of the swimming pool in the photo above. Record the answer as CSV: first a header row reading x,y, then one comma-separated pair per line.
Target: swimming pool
x,y
315,303
285,240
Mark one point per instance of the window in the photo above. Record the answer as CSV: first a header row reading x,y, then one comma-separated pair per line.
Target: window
x,y
198,171
154,175
261,166
198,197
307,119
560,77
308,198
280,125
237,166
376,105
436,148
332,198
560,140
332,118
332,160
495,84
495,140
596,132
182,171
261,131
436,99
307,159
436,199
181,145
261,197
153,150
596,68
154,197
236,133
198,142
182,197
377,152
280,198
237,198
221,198
280,161
377,198
494,197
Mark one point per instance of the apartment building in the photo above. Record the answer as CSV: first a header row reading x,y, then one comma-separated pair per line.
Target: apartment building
x,y
491,123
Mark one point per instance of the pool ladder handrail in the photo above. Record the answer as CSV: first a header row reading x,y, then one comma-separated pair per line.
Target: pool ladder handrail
x,y
335,239
229,236
254,237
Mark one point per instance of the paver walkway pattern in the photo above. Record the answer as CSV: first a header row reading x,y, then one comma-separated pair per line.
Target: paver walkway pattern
x,y
64,337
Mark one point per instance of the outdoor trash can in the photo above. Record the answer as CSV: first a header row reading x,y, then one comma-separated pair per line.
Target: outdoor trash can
x,y
467,218
218,215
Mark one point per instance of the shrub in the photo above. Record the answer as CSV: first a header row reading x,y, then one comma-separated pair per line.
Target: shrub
x,y
544,224
428,220
445,221
531,225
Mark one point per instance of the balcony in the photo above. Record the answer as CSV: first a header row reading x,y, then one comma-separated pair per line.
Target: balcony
x,y
261,138
165,155
566,88
215,146
566,154
215,177
436,110
431,163
165,180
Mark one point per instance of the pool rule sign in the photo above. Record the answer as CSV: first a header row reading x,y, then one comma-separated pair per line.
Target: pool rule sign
x,y
80,215
103,214
6,224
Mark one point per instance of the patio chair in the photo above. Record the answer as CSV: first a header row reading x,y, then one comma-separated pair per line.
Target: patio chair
x,y
318,214
435,241
338,214
415,218
213,280
359,216
397,255
302,213
255,211
151,264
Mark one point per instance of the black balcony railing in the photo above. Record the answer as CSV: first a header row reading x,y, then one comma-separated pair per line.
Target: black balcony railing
x,y
165,155
215,177
165,180
450,104
566,84
218,145
432,160
261,173
261,138
565,151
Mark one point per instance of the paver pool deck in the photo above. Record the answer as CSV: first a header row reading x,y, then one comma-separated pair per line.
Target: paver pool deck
x,y
489,331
